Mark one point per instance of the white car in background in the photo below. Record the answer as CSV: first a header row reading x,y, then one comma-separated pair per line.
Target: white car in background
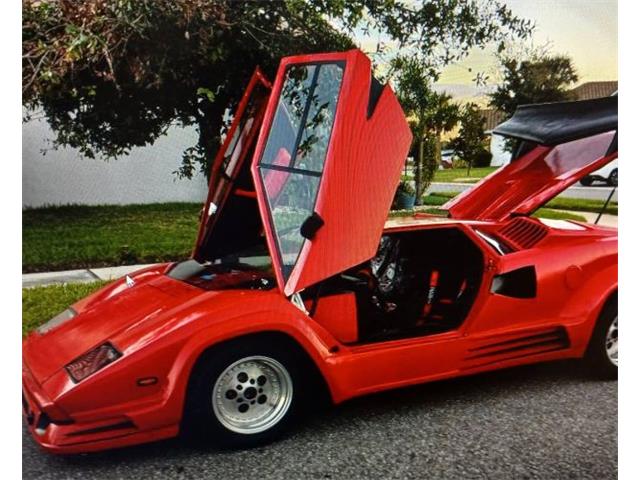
x,y
608,174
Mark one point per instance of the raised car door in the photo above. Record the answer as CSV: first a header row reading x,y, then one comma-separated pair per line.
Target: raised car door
x,y
228,163
326,165
556,144
527,183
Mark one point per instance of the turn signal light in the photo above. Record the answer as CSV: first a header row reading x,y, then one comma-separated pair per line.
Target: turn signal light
x,y
91,362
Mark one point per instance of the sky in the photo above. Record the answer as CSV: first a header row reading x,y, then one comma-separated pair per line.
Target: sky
x,y
586,30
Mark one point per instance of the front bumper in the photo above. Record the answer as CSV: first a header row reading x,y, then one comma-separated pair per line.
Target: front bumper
x,y
56,432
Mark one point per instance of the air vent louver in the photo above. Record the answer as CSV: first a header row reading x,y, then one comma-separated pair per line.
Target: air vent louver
x,y
523,232
516,345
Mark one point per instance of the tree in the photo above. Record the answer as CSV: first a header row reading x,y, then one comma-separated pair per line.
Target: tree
x,y
470,143
110,75
431,114
540,78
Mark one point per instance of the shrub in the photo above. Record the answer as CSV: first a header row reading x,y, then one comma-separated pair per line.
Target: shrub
x,y
482,159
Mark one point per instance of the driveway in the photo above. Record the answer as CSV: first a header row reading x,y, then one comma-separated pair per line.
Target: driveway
x,y
536,422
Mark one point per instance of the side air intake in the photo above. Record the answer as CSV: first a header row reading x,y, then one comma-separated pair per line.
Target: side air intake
x,y
523,232
514,346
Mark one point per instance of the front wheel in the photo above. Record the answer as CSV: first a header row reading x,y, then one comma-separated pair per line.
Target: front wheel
x,y
602,353
244,394
613,178
252,395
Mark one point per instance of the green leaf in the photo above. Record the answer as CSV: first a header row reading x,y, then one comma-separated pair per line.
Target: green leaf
x,y
205,92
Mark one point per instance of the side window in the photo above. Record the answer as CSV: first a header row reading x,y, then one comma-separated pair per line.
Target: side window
x,y
294,155
236,153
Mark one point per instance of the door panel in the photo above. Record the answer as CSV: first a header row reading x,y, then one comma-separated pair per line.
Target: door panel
x,y
530,181
322,153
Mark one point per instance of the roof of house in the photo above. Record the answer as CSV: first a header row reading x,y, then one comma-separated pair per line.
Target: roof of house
x,y
590,90
492,118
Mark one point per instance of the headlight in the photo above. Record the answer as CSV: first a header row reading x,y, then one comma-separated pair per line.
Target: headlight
x,y
92,361
59,319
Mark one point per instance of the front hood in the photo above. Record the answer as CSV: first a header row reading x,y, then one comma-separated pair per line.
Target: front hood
x,y
110,312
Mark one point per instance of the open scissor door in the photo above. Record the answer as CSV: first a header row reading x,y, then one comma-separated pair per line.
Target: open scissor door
x,y
326,165
228,220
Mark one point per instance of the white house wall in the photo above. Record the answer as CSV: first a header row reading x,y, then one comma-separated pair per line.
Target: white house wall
x,y
499,155
63,176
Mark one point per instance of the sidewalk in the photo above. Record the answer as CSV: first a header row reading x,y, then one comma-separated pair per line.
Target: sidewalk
x,y
78,276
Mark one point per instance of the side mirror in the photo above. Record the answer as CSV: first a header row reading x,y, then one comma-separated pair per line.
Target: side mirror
x,y
311,225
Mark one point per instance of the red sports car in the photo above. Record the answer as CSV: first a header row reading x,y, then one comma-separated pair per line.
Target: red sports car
x,y
300,289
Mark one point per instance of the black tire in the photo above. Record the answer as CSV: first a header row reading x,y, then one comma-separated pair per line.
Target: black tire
x,y
613,178
586,181
596,356
200,421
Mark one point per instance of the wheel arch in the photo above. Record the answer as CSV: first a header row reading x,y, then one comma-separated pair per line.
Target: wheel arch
x,y
582,335
270,336
310,340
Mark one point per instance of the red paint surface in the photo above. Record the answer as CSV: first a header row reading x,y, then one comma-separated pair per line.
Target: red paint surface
x,y
216,195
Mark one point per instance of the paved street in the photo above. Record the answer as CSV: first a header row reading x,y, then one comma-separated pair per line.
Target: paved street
x,y
537,422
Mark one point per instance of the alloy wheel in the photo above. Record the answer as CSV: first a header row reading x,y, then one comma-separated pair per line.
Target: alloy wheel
x,y
611,342
252,395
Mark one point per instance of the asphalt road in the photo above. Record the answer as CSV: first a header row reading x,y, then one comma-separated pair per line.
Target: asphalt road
x,y
546,421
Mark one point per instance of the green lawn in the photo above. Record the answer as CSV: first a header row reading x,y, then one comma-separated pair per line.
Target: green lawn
x,y
424,209
557,215
459,175
580,205
60,238
39,304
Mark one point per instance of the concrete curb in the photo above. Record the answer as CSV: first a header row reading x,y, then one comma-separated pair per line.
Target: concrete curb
x,y
78,276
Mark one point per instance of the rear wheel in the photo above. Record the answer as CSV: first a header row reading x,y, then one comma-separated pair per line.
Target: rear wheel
x,y
602,353
244,393
613,178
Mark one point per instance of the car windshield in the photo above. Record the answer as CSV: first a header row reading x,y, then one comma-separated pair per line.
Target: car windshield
x,y
248,269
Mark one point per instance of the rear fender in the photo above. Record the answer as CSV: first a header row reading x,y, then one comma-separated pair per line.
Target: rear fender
x,y
587,303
